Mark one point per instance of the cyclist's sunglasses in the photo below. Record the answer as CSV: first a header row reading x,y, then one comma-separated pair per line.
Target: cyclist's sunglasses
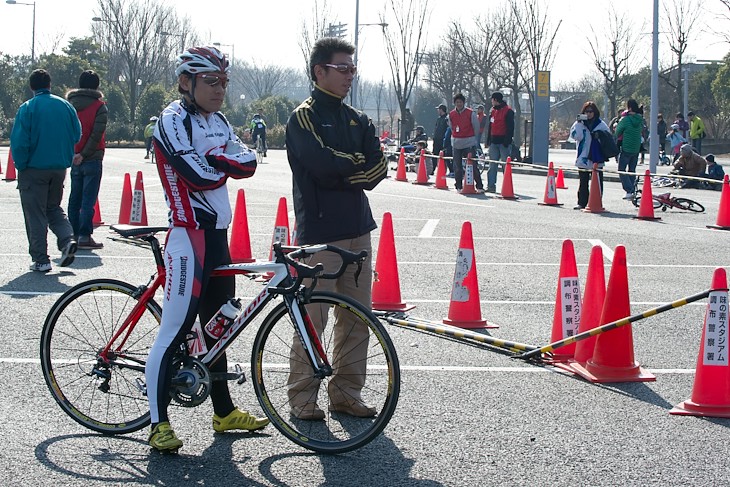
x,y
343,68
213,80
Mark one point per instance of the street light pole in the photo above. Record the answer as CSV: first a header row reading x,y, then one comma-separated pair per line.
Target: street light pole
x,y
32,46
233,49
353,89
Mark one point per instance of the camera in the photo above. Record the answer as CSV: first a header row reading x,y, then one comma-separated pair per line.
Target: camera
x,y
581,117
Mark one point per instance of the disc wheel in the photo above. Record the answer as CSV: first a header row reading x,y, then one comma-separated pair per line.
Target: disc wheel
x,y
274,359
689,205
106,395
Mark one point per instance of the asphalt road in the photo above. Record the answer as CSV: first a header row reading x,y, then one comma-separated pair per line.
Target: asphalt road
x,y
467,416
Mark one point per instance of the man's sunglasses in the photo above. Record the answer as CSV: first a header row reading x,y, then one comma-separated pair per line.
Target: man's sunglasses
x,y
213,80
343,68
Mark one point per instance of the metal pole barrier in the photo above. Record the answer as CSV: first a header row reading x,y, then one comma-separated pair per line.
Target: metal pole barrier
x,y
616,324
454,331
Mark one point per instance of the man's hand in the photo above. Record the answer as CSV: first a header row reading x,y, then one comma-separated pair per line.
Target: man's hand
x,y
77,159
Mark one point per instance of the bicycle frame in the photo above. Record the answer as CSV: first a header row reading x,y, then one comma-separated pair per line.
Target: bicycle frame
x,y
278,273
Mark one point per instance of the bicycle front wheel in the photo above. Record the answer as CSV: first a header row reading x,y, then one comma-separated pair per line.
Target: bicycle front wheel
x,y
280,369
689,205
103,394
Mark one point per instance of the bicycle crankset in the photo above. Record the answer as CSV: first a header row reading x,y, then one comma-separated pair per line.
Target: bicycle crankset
x,y
191,383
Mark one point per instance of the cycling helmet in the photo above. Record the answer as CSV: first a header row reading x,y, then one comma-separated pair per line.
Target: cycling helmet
x,y
420,127
674,126
686,149
202,60
153,119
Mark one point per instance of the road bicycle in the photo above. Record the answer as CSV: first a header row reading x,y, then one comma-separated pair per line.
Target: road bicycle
x,y
666,200
98,334
260,150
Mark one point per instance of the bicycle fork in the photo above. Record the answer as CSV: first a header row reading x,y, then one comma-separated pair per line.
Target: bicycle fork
x,y
309,338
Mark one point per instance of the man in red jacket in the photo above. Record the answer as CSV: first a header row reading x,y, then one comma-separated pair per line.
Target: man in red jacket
x,y
499,137
464,130
88,154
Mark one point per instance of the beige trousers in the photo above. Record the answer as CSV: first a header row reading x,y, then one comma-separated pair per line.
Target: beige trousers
x,y
348,352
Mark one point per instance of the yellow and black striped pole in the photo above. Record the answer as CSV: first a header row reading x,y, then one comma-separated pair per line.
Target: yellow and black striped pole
x,y
453,331
615,324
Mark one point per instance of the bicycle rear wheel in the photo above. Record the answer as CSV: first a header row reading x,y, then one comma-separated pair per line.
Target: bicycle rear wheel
x,y
689,205
273,355
103,395
259,150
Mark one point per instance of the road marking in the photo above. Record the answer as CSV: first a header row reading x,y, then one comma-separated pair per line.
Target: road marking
x,y
607,251
428,229
441,202
415,368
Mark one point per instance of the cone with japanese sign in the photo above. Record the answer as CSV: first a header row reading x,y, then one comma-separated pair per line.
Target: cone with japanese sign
x,y
465,307
240,238
613,356
590,310
138,212
281,227
386,282
711,390
468,187
566,318
551,193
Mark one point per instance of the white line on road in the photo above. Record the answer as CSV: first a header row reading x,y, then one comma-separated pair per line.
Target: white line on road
x,y
428,229
607,251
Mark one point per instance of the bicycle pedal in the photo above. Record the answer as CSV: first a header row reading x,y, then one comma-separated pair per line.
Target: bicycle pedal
x,y
238,375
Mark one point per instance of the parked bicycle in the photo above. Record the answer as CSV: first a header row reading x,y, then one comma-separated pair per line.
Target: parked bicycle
x,y
98,334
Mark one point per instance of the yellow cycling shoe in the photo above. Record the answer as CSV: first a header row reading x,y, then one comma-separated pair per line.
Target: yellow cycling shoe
x,y
238,420
162,438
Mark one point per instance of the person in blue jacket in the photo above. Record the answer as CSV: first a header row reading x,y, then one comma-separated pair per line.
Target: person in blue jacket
x,y
42,143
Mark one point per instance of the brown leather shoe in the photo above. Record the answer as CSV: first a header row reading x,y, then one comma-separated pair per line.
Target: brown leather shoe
x,y
357,408
309,411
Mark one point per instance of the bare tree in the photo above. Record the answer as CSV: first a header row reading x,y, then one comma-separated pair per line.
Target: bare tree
x,y
678,23
447,72
404,41
130,31
480,55
313,29
262,80
725,15
538,35
614,55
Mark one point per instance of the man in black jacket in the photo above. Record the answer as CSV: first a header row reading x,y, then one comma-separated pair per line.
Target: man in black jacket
x,y
334,156
440,130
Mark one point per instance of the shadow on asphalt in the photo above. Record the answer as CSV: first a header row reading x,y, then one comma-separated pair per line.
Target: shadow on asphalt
x,y
38,282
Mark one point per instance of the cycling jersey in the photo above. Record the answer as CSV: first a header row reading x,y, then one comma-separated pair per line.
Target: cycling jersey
x,y
258,124
193,164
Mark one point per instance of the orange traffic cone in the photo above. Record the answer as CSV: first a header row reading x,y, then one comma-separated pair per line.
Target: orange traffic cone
x,y
441,173
711,390
508,192
646,207
400,174
465,307
386,283
96,221
551,195
10,173
468,186
240,238
560,180
281,227
126,206
138,213
723,214
595,202
613,356
566,317
590,311
422,177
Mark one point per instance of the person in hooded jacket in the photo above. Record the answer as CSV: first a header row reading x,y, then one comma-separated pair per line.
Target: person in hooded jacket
x,y
629,129
589,149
